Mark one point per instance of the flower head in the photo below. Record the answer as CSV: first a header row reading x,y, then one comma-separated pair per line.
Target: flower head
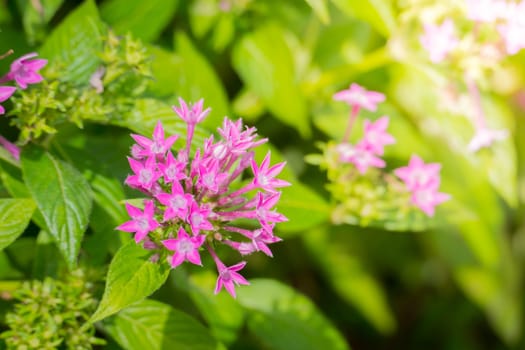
x,y
427,198
485,137
200,195
376,137
24,71
418,174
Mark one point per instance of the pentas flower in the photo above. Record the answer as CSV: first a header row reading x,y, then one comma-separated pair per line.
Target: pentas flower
x,y
512,34
142,222
186,248
202,196
422,181
376,137
358,97
13,149
440,40
24,71
484,137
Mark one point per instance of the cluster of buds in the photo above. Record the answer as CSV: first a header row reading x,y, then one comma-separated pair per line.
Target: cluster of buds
x,y
24,71
363,191
52,314
197,202
495,31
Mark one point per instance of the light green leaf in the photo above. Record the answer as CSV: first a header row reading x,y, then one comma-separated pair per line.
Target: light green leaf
x,y
144,19
350,280
15,215
379,13
62,195
153,325
320,9
285,319
74,43
131,278
265,63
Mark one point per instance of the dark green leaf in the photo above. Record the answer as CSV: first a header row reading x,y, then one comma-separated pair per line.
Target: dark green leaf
x,y
62,195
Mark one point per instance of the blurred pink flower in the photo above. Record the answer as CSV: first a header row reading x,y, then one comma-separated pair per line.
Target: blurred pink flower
x,y
25,71
440,40
13,149
485,137
358,97
376,137
418,174
5,93
427,198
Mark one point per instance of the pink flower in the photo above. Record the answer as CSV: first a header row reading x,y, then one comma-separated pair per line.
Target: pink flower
x,y
198,218
228,278
177,202
358,97
13,149
5,93
264,177
485,10
427,198
485,137
440,40
376,137
25,71
192,114
185,247
172,169
142,222
157,147
259,240
362,157
145,176
513,36
418,174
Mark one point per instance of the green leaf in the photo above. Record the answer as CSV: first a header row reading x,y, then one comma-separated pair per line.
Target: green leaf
x,y
144,19
285,319
15,215
349,278
265,63
131,277
379,13
320,9
62,195
75,42
153,325
303,207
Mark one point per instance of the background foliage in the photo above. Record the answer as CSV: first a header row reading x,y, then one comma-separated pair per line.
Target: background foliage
x,y
456,283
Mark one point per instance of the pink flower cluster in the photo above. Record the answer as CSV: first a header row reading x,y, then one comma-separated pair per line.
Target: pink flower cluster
x,y
202,201
440,40
423,181
368,151
24,71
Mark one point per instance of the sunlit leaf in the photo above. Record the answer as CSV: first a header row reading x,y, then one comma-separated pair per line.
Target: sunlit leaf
x,y
14,218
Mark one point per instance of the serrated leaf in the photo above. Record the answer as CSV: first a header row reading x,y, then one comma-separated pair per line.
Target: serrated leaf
x,y
15,215
62,195
153,325
285,319
265,63
136,16
131,278
74,43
